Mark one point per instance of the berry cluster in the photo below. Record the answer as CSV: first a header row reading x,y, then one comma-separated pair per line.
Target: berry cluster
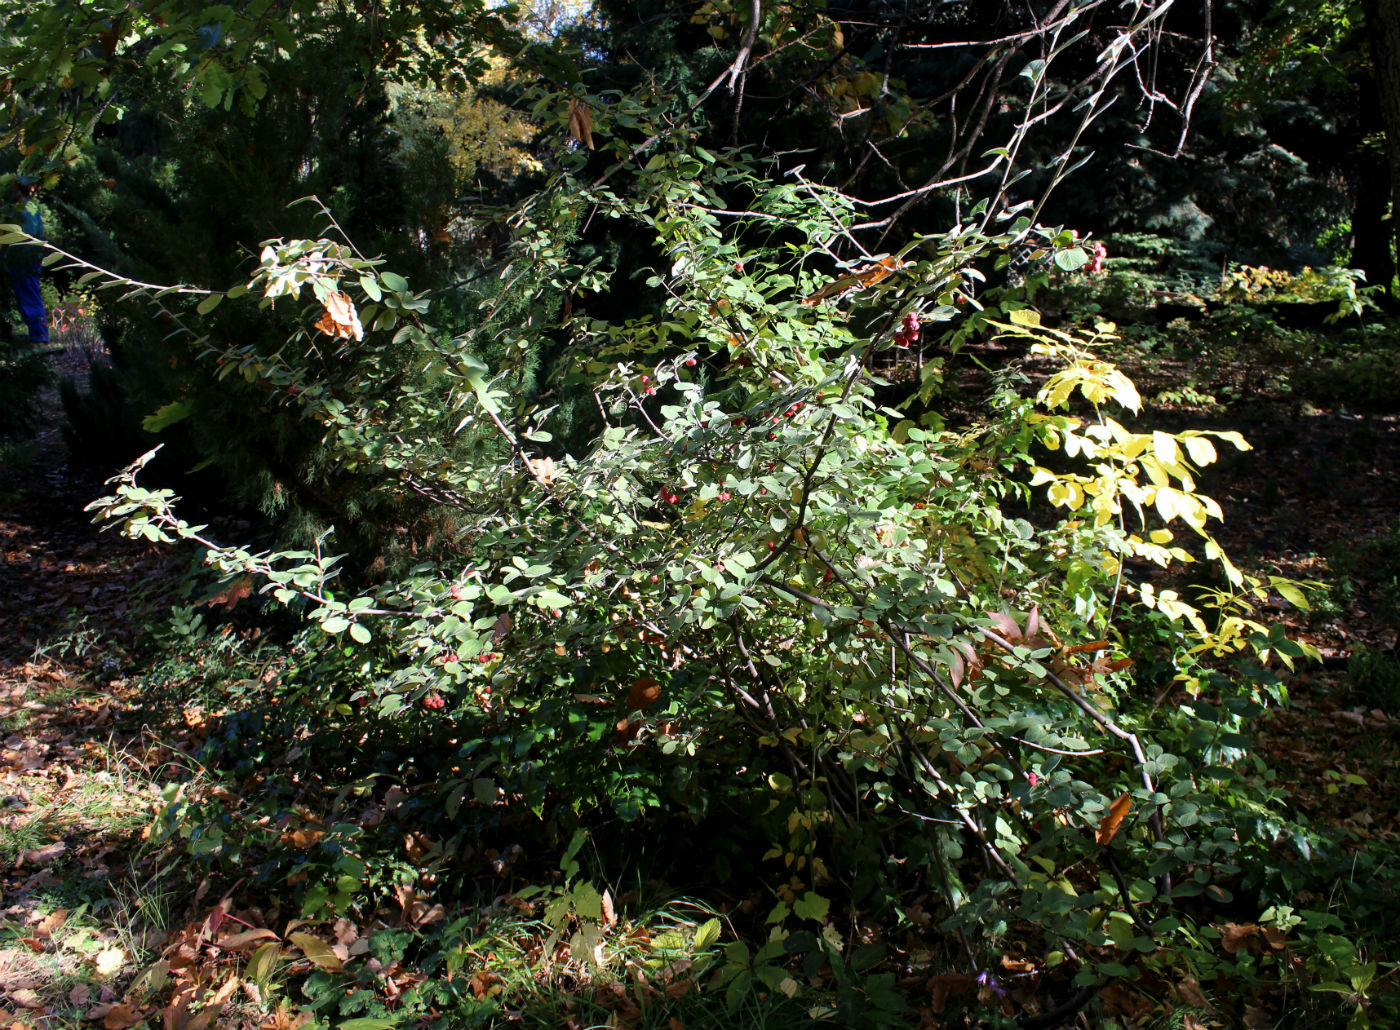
x,y
908,332
1097,254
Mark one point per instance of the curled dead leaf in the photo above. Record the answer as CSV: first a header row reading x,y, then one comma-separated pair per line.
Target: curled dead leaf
x,y
581,122
236,591
1117,812
340,319
302,838
418,845
868,275
46,926
1235,936
542,469
42,856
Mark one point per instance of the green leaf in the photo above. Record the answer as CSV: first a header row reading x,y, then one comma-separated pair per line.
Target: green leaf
x,y
209,303
168,415
588,903
485,790
811,906
335,625
1071,259
318,951
360,634
368,1023
371,287
394,282
707,934
263,963
1289,592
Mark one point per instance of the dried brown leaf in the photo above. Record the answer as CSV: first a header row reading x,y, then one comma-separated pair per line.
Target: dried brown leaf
x,y
1190,993
644,693
1117,812
581,122
121,1017
340,319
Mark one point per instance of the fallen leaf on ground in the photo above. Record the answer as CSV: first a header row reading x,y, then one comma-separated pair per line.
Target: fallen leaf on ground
x,y
120,1017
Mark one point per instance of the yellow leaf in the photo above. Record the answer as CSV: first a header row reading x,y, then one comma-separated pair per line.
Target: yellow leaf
x,y
1164,447
1201,450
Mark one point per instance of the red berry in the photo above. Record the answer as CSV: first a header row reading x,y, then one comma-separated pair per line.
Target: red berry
x,y
673,498
690,362
456,592
434,702
771,545
1032,779
646,379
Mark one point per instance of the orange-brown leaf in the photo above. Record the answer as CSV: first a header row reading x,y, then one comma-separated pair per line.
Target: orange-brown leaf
x,y
860,278
644,694
340,318
1117,812
233,593
1236,936
418,845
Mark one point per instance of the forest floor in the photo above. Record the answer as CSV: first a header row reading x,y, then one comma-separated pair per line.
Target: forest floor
x,y
99,926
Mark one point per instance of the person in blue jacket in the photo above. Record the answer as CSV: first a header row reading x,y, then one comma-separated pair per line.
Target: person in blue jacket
x,y
23,260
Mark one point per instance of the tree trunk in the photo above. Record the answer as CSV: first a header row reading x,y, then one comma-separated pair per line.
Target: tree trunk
x,y
1371,235
1383,29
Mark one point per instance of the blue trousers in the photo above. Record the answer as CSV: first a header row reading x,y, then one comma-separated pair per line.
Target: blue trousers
x,y
31,302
